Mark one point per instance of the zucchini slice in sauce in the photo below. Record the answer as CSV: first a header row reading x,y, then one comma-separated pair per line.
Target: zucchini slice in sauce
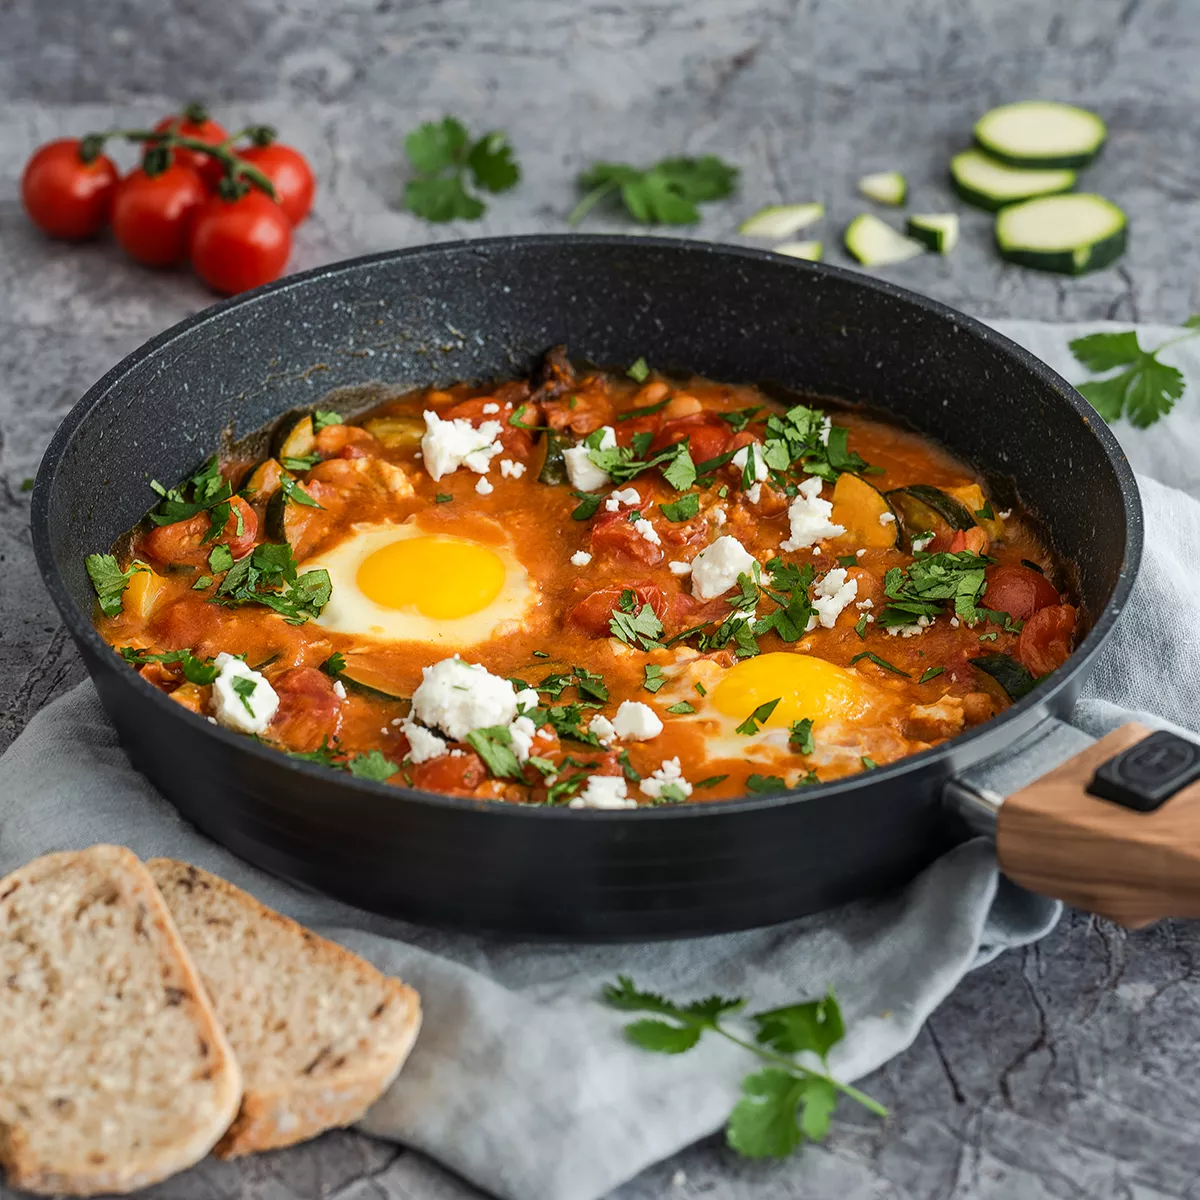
x,y
554,466
925,509
280,510
401,431
1008,673
262,481
1041,133
864,511
371,680
1066,234
296,438
989,184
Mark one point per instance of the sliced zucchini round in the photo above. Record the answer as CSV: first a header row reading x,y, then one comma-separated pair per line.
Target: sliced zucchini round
x,y
554,466
283,518
990,184
876,244
923,509
296,438
781,220
809,251
364,677
398,432
935,231
1008,673
865,513
1067,234
262,481
1041,133
884,187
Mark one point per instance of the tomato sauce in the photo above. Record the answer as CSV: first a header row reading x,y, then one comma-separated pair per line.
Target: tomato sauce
x,y
574,566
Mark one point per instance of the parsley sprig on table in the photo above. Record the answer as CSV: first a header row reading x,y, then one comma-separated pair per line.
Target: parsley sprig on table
x,y
786,1102
1144,389
664,194
445,158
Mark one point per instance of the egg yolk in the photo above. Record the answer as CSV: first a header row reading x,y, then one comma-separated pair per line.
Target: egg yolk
x,y
441,577
804,687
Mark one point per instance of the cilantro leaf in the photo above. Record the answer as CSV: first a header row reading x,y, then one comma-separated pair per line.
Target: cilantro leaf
x,y
764,784
195,670
683,509
763,1122
1104,351
816,1026
761,713
295,494
324,416
663,1037
589,502
666,193
335,664
680,471
639,630
625,995
681,708
220,559
654,677
494,745
930,673
801,736
1152,391
110,581
879,662
1145,391
372,765
1106,396
444,157
245,689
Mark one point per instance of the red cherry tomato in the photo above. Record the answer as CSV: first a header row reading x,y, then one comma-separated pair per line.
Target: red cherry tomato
x,y
594,612
457,775
309,710
1045,642
204,130
152,214
1018,591
516,440
708,436
289,173
65,196
240,244
182,542
613,535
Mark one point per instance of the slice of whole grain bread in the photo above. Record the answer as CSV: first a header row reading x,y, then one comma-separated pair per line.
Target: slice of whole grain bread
x,y
114,1072
319,1032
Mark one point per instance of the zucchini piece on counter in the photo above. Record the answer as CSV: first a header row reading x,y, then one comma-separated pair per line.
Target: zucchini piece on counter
x,y
865,513
876,244
401,431
1007,672
1041,133
781,220
554,466
989,184
923,509
884,187
262,481
296,438
935,231
1067,234
809,251
368,679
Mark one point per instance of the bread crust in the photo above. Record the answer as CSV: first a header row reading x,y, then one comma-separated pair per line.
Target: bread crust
x,y
92,1171
328,1094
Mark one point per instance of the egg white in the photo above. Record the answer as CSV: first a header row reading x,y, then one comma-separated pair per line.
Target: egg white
x,y
350,611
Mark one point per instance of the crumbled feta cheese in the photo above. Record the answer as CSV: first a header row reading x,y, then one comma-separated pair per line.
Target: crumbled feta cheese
x,y
867,603
887,518
527,699
629,496
953,622
601,727
831,595
635,722
906,631
754,493
809,517
669,773
510,469
718,516
456,697
716,568
679,568
826,427
448,445
521,731
249,711
921,542
423,744
580,558
760,464
816,551
483,487
1005,514
339,689
488,409
647,531
603,791
859,553
584,475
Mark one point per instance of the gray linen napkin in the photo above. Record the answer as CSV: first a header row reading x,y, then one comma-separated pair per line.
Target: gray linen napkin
x,y
521,1081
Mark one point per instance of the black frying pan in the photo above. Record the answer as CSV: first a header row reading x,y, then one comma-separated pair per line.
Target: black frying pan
x,y
475,310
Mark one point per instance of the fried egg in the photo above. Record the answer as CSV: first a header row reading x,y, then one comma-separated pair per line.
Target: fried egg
x,y
402,583
850,715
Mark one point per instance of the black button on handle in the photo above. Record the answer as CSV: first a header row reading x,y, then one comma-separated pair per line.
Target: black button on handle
x,y
1149,773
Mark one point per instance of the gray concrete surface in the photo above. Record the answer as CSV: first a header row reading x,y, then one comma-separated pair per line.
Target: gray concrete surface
x,y
1066,1071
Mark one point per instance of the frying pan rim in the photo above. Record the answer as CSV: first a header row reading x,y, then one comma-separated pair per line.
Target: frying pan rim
x,y
83,629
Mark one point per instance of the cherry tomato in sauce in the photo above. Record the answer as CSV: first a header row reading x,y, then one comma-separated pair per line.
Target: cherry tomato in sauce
x,y
66,196
1045,642
182,542
309,710
708,436
457,775
1018,591
615,535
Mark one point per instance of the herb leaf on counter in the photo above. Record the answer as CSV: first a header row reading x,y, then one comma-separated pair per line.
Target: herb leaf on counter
x,y
664,194
782,1105
445,159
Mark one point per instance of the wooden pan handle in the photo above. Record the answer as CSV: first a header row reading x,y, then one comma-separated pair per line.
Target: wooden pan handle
x,y
1058,838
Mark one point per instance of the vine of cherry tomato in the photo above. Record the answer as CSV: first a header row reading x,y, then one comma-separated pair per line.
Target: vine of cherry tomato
x,y
194,196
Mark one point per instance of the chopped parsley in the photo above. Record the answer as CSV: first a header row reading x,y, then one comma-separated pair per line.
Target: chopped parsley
x,y
869,764
740,418
700,688
879,662
494,745
681,708
762,784
639,628
923,587
930,673
711,781
589,502
220,559
335,664
195,670
323,755
244,688
590,684
654,677
847,560
110,581
293,493
646,410
299,463
372,765
761,713
683,509
639,370
325,416
202,582
986,513
206,489
860,626
630,774
801,737
443,498
268,577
